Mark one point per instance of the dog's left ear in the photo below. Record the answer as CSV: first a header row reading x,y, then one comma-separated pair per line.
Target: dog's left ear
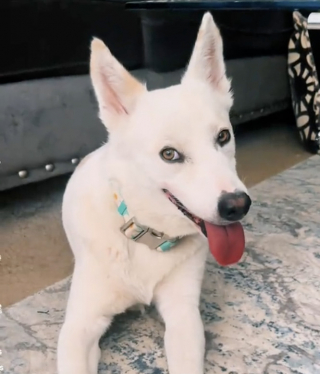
x,y
117,91
207,62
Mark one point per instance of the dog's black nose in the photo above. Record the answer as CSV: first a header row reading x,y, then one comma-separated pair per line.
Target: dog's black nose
x,y
234,206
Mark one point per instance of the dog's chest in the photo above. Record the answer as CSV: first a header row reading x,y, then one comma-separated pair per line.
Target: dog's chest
x,y
149,267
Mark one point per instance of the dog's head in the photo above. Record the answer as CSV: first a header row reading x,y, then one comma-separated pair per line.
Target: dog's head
x,y
180,138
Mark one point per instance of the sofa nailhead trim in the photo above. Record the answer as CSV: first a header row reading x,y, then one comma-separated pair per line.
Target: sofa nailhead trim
x,y
23,173
49,167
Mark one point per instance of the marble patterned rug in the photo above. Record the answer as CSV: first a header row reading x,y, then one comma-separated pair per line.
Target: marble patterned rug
x,y
261,316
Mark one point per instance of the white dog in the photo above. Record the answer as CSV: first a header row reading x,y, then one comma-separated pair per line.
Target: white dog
x,y
139,211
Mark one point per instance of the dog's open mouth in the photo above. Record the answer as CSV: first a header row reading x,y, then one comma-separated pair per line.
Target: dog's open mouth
x,y
226,243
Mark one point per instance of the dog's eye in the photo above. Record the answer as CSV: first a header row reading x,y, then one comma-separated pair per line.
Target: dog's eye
x,y
171,155
223,137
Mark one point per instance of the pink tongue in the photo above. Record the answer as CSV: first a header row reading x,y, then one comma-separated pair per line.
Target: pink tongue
x,y
226,243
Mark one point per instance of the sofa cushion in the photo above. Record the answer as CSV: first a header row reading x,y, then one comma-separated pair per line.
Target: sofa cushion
x,y
52,37
169,36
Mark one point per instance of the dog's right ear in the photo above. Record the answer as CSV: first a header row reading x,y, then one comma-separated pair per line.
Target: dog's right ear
x,y
117,91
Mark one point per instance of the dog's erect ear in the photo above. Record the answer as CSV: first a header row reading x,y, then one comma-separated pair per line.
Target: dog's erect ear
x,y
117,91
207,62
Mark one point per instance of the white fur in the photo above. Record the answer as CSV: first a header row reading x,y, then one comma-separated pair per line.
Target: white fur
x,y
112,273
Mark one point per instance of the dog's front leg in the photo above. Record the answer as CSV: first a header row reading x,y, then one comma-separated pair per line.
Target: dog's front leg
x,y
184,339
177,300
78,349
89,313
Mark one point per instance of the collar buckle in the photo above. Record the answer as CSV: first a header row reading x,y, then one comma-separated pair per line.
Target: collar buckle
x,y
150,237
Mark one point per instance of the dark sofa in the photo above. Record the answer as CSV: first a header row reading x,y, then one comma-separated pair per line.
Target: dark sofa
x,y
48,113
